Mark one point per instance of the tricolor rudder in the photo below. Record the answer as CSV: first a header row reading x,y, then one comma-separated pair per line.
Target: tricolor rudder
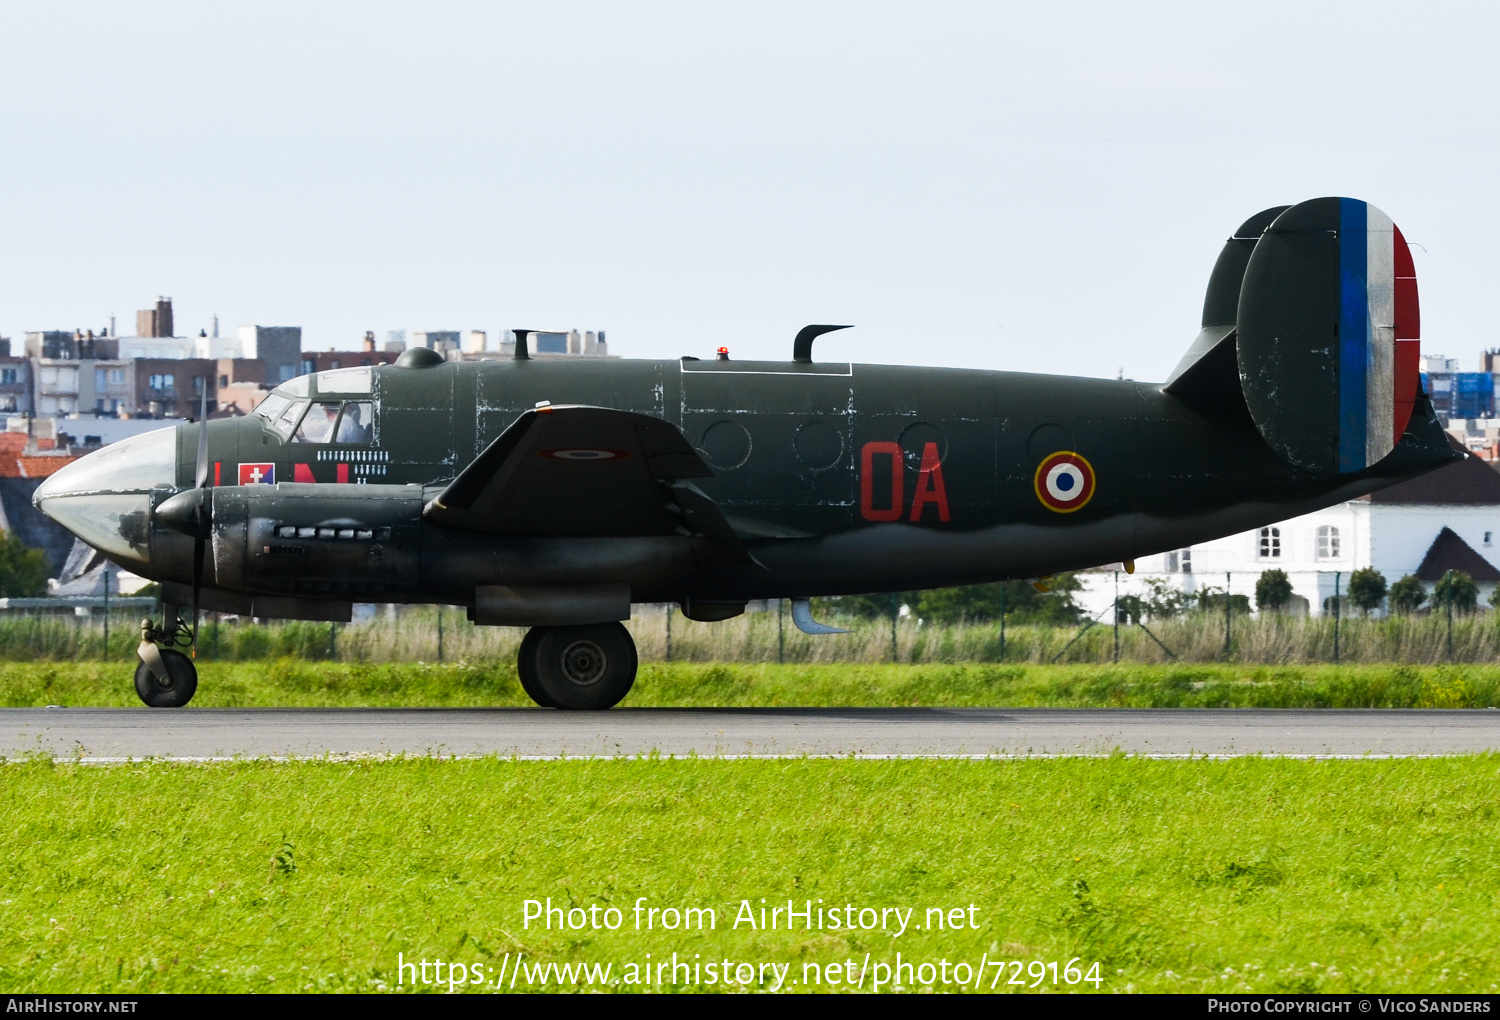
x,y
1328,326
1374,348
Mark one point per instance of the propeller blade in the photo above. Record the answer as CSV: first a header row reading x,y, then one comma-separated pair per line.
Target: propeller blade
x,y
202,479
198,545
203,514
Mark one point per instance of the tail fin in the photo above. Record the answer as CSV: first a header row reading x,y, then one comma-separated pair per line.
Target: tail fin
x,y
1208,372
1324,332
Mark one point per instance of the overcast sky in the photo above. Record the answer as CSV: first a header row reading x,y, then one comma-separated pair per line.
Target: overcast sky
x,y
1039,187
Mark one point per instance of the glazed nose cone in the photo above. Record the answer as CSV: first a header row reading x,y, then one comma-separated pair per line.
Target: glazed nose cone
x,y
104,498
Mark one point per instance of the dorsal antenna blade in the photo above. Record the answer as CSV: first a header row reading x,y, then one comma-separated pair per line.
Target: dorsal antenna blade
x,y
802,346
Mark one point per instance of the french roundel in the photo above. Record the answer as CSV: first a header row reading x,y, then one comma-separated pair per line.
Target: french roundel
x,y
576,454
1064,482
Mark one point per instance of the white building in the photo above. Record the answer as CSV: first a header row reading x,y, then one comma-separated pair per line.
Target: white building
x,y
178,347
215,347
1448,519
589,344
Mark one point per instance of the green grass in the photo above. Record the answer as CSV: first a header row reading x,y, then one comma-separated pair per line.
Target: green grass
x,y
1265,875
290,682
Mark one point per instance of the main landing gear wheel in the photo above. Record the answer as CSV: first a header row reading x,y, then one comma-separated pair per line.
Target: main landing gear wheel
x,y
176,689
588,667
526,667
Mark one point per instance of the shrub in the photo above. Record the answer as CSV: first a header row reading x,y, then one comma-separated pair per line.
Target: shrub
x,y
1273,590
1456,591
23,570
1023,603
1407,595
1366,589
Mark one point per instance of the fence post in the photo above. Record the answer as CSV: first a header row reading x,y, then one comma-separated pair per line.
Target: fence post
x,y
781,630
440,633
1448,604
1337,613
1228,611
669,632
333,642
1002,619
895,613
106,610
1117,616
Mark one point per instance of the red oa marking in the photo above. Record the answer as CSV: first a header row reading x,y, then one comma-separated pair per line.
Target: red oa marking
x,y
930,487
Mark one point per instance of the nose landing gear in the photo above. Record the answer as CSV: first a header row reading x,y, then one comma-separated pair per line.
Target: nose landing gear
x,y
165,677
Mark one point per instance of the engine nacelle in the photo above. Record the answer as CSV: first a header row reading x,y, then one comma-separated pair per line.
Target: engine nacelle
x,y
363,542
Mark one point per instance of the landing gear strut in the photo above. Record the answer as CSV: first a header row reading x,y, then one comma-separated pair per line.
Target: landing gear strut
x,y
165,677
587,667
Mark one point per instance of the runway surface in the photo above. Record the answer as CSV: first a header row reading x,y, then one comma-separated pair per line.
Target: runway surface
x,y
112,734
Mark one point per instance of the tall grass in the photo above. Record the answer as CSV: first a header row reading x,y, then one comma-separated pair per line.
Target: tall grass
x,y
428,635
290,682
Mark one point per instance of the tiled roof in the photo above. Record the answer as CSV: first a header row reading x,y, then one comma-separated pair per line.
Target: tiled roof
x,y
15,464
1468,482
1449,552
11,445
41,467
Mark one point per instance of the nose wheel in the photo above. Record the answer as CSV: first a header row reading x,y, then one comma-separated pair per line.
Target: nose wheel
x,y
587,667
165,677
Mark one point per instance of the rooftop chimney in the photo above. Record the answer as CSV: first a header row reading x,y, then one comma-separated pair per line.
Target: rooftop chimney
x,y
155,321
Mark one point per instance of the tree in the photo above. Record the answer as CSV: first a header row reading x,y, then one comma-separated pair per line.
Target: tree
x,y
1211,600
865,607
1023,603
976,603
1407,595
23,570
1456,591
1495,597
1165,600
1132,608
1366,589
1273,590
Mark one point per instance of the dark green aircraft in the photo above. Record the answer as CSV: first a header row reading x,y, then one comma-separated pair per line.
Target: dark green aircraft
x,y
554,493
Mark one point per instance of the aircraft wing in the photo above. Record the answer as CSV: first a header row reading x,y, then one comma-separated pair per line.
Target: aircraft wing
x,y
573,470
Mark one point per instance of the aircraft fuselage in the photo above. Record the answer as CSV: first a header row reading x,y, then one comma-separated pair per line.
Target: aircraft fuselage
x,y
839,478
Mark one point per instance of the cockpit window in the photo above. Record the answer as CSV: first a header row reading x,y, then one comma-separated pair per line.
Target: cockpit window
x,y
324,423
297,387
270,408
354,425
284,424
317,424
344,380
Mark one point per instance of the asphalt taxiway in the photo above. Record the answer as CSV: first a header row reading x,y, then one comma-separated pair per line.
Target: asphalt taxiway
x,y
113,734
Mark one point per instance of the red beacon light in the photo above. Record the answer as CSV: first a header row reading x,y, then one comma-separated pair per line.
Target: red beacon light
x,y
723,353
